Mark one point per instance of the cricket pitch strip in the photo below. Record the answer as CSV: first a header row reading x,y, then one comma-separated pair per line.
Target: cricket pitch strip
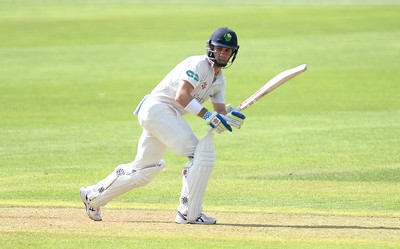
x,y
260,227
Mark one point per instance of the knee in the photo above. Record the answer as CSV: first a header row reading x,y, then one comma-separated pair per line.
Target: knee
x,y
124,169
185,144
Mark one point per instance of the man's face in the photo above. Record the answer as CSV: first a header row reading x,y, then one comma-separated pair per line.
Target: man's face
x,y
222,54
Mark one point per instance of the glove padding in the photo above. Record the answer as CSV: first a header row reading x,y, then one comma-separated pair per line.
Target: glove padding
x,y
235,119
217,122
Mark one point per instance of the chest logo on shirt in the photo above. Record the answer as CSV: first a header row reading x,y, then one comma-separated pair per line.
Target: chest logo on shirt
x,y
204,85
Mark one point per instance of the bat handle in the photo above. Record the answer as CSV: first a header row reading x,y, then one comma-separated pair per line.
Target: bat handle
x,y
239,109
230,108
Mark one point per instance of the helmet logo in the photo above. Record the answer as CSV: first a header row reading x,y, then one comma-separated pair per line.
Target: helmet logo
x,y
228,37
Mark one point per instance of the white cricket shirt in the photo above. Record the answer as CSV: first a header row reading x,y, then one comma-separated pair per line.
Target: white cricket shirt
x,y
199,71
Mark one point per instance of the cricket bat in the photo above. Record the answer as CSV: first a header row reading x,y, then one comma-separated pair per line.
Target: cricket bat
x,y
271,85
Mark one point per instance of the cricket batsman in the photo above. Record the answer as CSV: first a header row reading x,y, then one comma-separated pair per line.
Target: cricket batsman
x,y
160,113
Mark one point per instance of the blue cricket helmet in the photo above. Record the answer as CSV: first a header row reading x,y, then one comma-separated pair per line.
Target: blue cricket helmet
x,y
223,37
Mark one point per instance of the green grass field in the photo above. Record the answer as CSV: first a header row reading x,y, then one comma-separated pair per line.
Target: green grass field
x,y
316,165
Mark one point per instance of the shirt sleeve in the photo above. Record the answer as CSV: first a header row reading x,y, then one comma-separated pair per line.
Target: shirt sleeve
x,y
195,72
218,95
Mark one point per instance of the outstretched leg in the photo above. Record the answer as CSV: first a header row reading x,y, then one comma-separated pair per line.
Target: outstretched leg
x,y
126,177
123,179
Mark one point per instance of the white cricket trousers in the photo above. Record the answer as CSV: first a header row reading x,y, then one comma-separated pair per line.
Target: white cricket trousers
x,y
163,127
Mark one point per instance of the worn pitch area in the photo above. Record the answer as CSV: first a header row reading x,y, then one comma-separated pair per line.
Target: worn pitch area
x,y
118,223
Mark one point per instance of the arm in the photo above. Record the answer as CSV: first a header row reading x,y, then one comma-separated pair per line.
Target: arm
x,y
184,98
220,108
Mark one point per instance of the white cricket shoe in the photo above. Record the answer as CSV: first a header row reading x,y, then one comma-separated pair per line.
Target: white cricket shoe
x,y
93,213
202,219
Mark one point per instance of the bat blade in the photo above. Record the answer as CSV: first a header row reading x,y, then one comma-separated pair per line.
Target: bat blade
x,y
275,82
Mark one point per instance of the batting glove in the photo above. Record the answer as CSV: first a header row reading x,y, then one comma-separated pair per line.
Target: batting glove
x,y
235,119
217,122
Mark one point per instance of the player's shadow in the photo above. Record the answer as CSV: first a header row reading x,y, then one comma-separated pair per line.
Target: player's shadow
x,y
278,226
310,226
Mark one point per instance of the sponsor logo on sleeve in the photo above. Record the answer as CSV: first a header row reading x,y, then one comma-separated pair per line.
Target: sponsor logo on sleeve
x,y
193,75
